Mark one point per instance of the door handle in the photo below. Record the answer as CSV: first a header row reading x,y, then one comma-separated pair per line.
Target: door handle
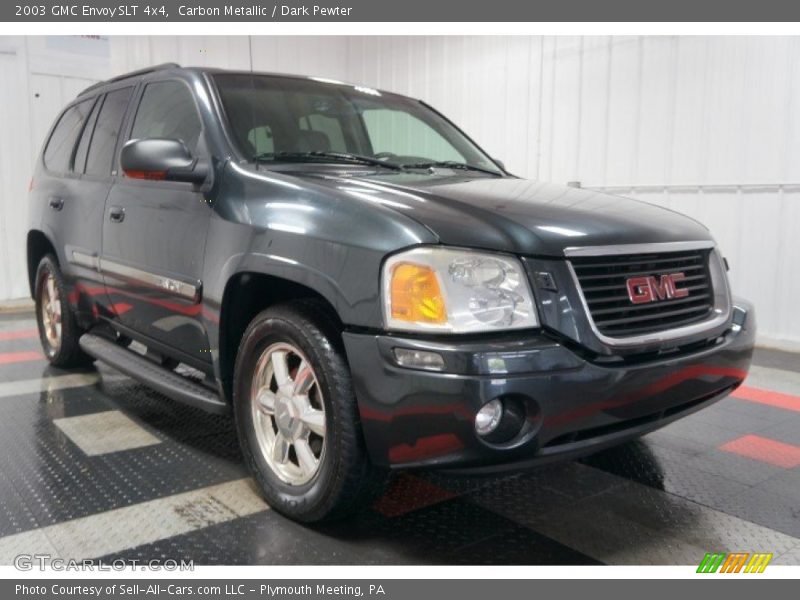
x,y
56,203
116,214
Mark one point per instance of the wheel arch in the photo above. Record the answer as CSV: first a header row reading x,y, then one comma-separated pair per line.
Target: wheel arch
x,y
37,246
246,294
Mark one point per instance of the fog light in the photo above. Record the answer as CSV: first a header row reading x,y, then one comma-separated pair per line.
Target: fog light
x,y
489,417
419,359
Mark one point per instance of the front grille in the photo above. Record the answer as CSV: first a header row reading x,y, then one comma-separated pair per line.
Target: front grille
x,y
603,280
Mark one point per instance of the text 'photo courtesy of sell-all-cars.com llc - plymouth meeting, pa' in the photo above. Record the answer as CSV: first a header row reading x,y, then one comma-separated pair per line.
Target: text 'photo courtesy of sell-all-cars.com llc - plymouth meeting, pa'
x,y
362,286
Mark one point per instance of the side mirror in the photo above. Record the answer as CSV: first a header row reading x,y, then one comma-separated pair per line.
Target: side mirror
x,y
499,163
162,159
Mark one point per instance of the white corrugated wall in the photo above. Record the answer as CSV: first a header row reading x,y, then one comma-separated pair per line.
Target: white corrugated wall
x,y
39,75
709,126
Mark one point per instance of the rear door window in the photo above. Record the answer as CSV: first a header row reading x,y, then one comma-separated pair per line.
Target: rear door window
x,y
106,132
58,153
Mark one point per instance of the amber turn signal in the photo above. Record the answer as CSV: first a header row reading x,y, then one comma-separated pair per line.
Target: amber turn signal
x,y
416,296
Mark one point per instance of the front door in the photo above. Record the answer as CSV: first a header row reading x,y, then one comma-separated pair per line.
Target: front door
x,y
154,235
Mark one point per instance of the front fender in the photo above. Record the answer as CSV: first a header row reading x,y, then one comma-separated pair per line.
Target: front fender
x,y
296,229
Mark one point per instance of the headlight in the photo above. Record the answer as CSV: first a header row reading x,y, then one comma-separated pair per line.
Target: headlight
x,y
457,291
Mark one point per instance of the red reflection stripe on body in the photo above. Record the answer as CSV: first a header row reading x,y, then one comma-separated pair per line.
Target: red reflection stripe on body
x,y
657,387
121,308
190,310
425,447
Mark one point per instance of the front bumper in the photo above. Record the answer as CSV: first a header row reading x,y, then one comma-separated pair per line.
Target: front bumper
x,y
574,405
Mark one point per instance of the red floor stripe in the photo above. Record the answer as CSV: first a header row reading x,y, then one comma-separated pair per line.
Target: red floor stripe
x,y
766,450
778,399
15,357
18,335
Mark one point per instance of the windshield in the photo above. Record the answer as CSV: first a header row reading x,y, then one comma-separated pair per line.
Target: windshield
x,y
286,119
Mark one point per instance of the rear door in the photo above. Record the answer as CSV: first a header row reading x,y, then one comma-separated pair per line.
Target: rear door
x,y
154,234
73,213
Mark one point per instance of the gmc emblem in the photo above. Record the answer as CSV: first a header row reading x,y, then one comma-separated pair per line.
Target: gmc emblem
x,y
652,289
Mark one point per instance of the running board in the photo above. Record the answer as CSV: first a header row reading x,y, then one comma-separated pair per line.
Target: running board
x,y
157,377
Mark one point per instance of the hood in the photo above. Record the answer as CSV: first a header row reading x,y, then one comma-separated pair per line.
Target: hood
x,y
516,215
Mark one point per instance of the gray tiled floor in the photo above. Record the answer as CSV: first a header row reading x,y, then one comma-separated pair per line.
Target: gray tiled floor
x,y
177,492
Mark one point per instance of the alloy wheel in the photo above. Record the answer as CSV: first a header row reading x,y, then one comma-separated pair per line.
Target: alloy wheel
x,y
50,309
288,414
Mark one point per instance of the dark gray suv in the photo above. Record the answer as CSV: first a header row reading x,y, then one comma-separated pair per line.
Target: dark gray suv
x,y
362,286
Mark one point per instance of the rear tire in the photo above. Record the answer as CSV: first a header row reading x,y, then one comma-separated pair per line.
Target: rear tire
x,y
58,329
297,417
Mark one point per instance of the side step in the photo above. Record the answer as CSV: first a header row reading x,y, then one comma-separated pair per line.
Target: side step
x,y
157,377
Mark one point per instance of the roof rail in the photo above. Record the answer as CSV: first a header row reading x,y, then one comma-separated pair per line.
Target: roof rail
x,y
144,71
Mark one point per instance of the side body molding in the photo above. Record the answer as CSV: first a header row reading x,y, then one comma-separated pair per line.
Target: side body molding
x,y
183,289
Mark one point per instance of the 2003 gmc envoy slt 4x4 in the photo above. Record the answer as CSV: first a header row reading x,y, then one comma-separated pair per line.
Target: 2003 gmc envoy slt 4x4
x,y
362,286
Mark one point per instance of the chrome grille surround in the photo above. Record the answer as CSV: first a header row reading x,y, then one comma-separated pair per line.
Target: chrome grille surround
x,y
720,307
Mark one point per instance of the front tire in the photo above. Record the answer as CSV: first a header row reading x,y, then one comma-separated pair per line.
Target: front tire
x,y
296,415
58,330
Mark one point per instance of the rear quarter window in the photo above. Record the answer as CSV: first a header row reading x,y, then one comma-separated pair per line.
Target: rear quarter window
x,y
58,152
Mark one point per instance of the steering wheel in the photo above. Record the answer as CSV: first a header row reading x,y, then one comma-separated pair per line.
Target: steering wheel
x,y
382,155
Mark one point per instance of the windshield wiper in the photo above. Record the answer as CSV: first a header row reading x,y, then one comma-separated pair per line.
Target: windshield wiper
x,y
450,164
311,155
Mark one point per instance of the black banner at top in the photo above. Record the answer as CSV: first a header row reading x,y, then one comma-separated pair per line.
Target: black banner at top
x,y
399,10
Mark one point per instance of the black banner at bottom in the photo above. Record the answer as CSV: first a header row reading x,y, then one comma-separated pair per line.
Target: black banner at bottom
x,y
390,589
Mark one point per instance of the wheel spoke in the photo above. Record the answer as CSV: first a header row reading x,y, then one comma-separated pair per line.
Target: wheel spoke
x,y
280,449
315,420
280,368
266,401
51,289
305,456
303,379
